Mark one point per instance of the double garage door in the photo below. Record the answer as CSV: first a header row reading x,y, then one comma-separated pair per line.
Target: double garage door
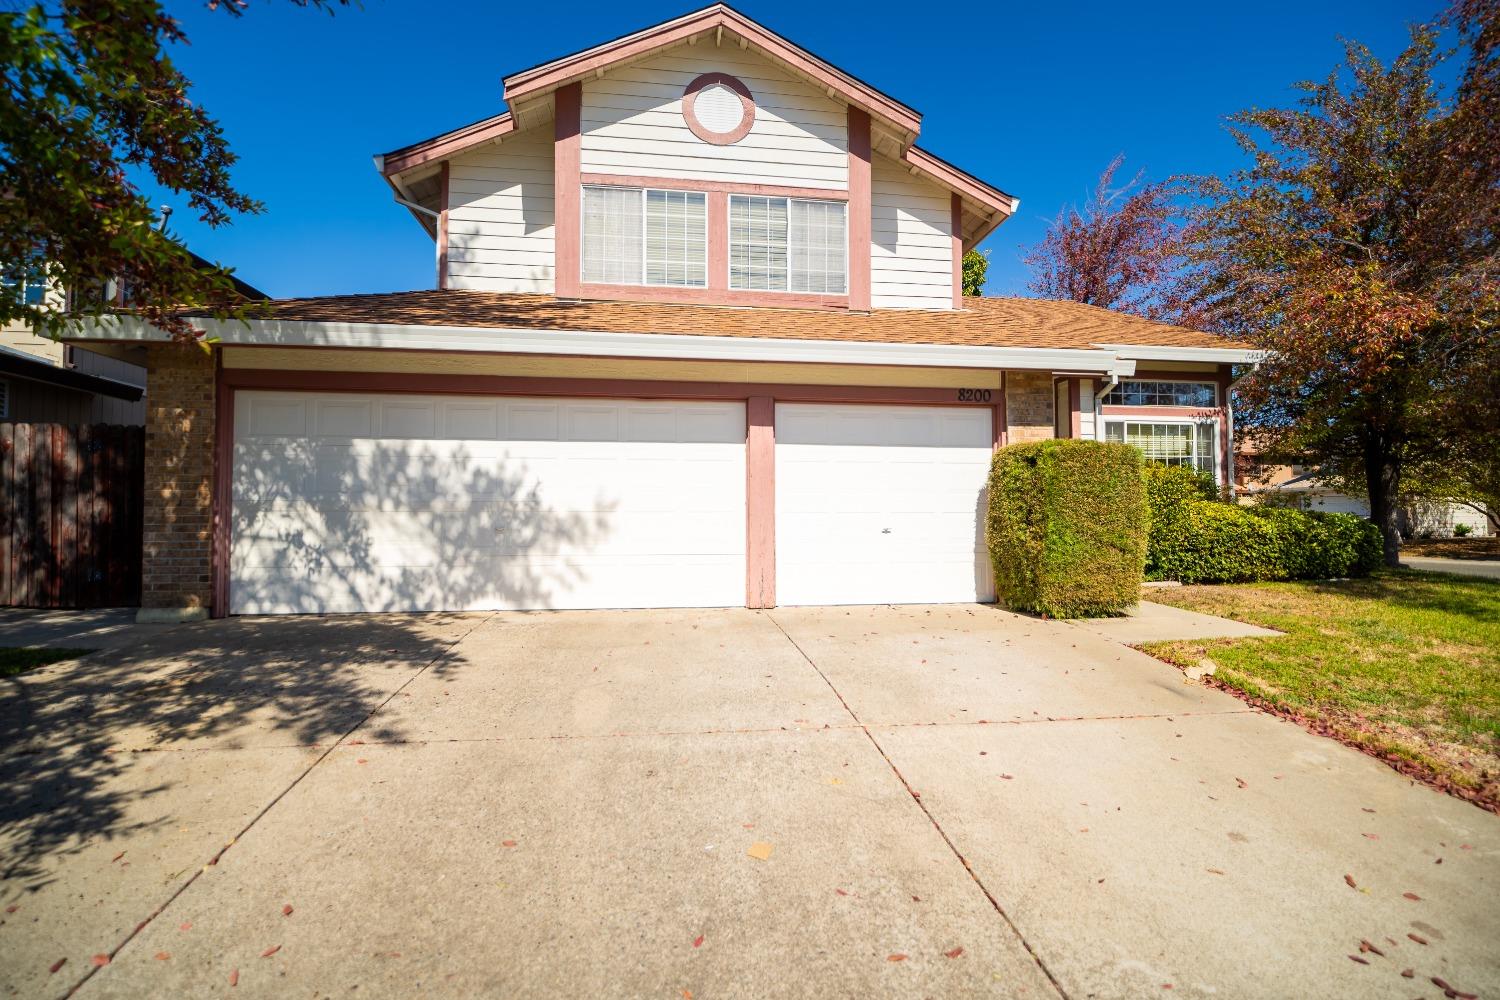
x,y
351,502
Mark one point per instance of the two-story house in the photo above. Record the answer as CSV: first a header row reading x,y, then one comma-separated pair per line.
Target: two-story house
x,y
697,339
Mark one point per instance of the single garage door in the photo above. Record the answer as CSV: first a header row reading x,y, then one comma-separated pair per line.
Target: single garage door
x,y
881,504
346,502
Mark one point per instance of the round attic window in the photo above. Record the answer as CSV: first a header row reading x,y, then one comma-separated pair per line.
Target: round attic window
x,y
718,108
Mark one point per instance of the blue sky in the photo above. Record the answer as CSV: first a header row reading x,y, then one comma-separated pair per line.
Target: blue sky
x,y
1035,98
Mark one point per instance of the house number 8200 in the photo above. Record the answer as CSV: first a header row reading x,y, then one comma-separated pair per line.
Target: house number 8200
x,y
973,395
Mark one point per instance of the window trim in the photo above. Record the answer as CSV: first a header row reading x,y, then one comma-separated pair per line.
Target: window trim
x,y
1208,381
842,203
641,281
1208,426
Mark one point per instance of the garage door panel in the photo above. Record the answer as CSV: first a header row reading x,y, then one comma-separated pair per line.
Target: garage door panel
x,y
881,504
599,507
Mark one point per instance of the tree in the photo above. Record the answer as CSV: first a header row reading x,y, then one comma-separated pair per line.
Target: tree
x,y
1118,252
90,97
1360,248
976,265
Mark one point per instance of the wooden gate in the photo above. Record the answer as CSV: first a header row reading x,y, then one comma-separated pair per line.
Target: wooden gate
x,y
70,515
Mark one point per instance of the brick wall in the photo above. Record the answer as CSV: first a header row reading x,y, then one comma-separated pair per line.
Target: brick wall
x,y
1029,409
178,542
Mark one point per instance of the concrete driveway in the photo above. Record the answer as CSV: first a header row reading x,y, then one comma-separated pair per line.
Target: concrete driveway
x,y
956,801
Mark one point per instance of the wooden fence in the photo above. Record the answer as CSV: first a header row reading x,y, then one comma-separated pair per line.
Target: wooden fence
x,y
70,515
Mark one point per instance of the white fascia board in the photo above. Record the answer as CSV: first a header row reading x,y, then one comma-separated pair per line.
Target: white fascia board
x,y
491,340
1220,355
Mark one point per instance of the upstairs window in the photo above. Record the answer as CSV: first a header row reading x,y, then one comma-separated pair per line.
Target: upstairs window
x,y
1141,392
788,244
25,284
645,236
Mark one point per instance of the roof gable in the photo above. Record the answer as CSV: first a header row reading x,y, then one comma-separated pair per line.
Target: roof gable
x,y
713,25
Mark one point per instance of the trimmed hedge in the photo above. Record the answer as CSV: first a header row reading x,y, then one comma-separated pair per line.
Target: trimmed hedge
x,y
1197,539
1067,527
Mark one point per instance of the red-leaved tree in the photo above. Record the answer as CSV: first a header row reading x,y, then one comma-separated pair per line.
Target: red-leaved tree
x,y
1119,251
1361,249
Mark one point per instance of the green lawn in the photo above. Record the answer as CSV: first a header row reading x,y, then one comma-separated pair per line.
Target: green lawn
x,y
19,659
1404,664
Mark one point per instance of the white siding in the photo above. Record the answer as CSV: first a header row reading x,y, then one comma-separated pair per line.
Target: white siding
x,y
500,216
911,249
633,124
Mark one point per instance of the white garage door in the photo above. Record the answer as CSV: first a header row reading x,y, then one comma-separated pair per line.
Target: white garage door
x,y
881,504
348,502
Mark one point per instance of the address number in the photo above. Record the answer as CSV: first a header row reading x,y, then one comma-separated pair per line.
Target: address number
x,y
974,395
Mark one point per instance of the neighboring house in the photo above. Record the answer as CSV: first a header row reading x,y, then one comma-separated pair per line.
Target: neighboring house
x,y
43,380
1416,520
697,340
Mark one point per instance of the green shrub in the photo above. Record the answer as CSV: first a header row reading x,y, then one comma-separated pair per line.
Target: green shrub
x,y
1461,530
1196,539
1067,527
1171,490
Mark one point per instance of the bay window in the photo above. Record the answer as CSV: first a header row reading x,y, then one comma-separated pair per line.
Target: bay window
x,y
1170,443
788,244
645,236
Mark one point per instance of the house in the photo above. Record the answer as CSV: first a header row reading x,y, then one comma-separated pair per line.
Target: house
x,y
44,381
1417,519
47,382
697,339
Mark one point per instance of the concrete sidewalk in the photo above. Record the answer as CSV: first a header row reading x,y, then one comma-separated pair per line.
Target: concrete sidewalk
x,y
921,801
1488,568
1151,622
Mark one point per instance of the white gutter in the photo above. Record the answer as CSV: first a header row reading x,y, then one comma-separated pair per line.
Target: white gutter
x,y
496,340
1219,355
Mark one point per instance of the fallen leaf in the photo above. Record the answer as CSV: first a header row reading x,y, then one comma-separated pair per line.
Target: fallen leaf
x,y
162,956
286,911
687,994
117,857
895,958
748,826
698,941
841,892
1363,809
1214,871
186,925
270,951
507,843
1367,946
1241,782
1412,896
362,761
954,953
760,850
1349,881
1416,937
1356,958
1408,973
234,977
1007,777
56,965
1371,836
101,960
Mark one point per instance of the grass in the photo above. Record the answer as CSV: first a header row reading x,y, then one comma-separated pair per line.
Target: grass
x,y
1404,665
19,659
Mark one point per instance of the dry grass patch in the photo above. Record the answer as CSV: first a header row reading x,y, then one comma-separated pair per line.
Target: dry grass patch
x,y
1404,665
